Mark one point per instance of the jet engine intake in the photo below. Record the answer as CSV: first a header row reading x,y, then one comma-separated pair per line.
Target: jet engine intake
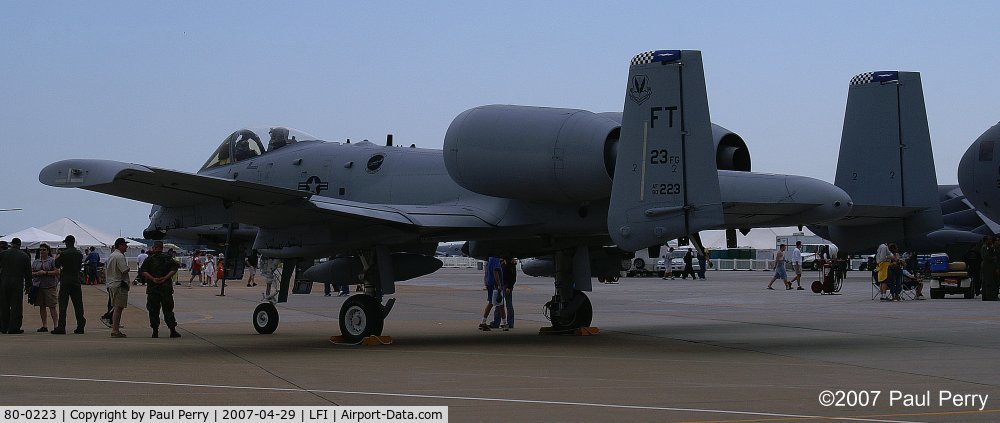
x,y
532,153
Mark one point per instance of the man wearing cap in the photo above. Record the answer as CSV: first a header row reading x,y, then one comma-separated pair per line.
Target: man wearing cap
x,y
69,262
117,277
157,271
15,280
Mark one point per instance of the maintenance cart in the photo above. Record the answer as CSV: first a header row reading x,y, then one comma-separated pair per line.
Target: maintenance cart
x,y
831,276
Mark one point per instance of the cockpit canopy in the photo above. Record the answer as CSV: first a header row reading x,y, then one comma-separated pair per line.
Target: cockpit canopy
x,y
246,144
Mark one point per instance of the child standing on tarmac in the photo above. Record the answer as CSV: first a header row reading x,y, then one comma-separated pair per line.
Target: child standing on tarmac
x,y
208,269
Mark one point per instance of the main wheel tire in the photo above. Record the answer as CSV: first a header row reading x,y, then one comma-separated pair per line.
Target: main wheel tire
x,y
265,318
581,318
639,264
361,317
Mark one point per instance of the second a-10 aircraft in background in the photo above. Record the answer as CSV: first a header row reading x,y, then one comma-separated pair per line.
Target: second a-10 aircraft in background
x,y
886,165
513,180
979,173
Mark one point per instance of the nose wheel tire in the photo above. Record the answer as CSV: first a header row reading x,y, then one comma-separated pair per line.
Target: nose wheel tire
x,y
265,318
360,317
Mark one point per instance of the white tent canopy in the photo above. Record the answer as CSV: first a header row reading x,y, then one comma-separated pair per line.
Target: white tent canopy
x,y
758,238
32,237
86,235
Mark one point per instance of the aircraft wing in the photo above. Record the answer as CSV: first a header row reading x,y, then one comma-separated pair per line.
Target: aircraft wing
x,y
165,187
258,203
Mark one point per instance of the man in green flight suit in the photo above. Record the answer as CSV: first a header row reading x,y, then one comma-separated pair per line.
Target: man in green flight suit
x,y
157,270
69,263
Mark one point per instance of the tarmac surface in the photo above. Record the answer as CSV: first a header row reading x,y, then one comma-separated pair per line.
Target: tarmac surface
x,y
724,349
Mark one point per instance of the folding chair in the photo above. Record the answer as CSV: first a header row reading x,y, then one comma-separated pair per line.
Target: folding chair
x,y
909,290
876,289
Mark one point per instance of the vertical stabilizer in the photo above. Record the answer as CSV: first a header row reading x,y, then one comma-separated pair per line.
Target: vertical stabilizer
x,y
665,181
886,164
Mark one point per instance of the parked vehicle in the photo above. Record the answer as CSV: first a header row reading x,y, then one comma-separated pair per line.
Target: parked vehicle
x,y
676,264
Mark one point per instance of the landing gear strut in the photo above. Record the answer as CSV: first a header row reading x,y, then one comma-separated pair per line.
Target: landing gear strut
x,y
363,315
265,316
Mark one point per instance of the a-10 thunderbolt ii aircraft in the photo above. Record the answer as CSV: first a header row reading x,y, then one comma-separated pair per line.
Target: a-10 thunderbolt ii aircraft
x,y
514,180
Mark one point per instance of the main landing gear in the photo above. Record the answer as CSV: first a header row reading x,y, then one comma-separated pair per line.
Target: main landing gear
x,y
567,316
361,316
570,309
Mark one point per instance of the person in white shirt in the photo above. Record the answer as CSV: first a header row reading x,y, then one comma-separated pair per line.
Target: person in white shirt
x,y
882,257
797,264
668,271
139,260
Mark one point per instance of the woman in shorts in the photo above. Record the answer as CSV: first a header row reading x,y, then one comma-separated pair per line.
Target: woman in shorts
x,y
779,268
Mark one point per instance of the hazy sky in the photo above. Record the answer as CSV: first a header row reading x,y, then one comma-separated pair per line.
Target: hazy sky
x,y
162,83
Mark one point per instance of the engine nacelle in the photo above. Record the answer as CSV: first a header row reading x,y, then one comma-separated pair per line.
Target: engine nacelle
x,y
550,154
731,152
532,153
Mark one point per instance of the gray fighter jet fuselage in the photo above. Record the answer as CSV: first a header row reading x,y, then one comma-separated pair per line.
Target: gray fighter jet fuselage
x,y
363,172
